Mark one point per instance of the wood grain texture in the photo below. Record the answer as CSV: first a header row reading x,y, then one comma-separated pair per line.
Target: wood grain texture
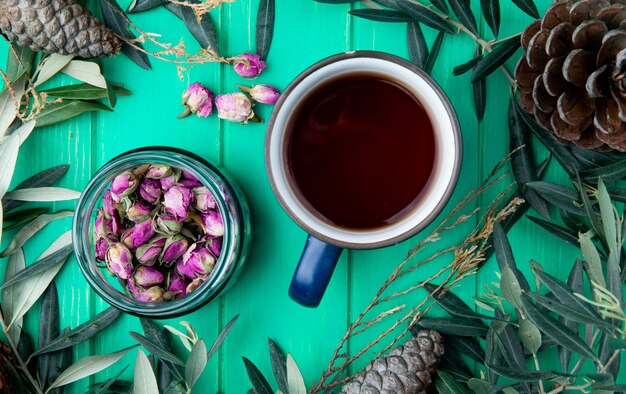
x,y
305,32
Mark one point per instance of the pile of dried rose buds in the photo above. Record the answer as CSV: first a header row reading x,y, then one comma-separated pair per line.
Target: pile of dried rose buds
x,y
159,231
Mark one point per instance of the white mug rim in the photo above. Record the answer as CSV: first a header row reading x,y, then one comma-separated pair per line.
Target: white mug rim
x,y
307,217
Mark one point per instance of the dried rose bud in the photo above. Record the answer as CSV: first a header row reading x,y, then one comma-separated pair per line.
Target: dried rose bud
x,y
196,262
119,260
177,201
189,184
124,184
188,175
264,94
138,212
158,171
235,107
153,294
147,276
195,284
101,249
168,225
175,247
214,245
212,223
203,199
141,170
248,65
150,190
178,285
169,181
149,253
103,227
138,235
198,99
110,210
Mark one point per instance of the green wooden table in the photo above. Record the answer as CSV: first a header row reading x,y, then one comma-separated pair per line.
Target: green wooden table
x,y
306,32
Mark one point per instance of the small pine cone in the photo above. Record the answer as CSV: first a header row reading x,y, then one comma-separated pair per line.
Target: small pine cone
x,y
406,369
56,26
572,76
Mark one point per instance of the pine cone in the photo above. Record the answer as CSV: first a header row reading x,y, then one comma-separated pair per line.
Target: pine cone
x,y
56,26
406,370
573,75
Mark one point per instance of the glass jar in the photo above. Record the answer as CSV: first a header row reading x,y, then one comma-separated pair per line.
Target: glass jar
x,y
232,205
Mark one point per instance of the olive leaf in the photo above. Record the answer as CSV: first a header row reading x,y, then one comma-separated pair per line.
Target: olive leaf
x,y
295,382
571,314
42,179
591,158
158,336
67,109
144,378
575,283
496,58
279,366
465,67
447,384
155,349
463,12
528,6
530,335
381,15
88,72
460,327
556,330
560,196
195,363
220,339
31,229
259,383
441,4
20,60
607,214
117,21
522,376
41,265
563,233
452,303
8,159
479,386
418,49
265,27
504,255
565,294
467,346
510,345
81,333
41,194
83,91
491,13
18,218
51,65
202,30
109,384
15,263
143,5
387,3
479,93
111,95
591,256
59,361
426,16
48,330
434,53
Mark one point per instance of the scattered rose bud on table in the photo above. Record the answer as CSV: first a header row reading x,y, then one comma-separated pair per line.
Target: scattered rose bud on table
x,y
159,230
235,107
198,100
248,65
262,93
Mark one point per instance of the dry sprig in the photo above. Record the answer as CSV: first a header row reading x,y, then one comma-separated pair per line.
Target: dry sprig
x,y
202,7
462,261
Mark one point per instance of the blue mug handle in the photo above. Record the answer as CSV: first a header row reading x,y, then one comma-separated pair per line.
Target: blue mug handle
x,y
316,266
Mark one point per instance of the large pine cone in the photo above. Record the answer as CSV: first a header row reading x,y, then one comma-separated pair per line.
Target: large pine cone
x,y
572,77
406,370
56,26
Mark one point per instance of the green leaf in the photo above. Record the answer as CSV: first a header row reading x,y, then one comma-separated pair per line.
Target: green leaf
x,y
452,303
109,383
84,71
24,215
510,287
40,266
156,334
607,213
31,229
42,179
556,330
20,60
84,91
155,349
144,379
434,53
447,384
426,16
111,96
117,21
381,15
565,294
610,173
418,49
463,12
279,366
451,326
509,344
465,67
590,158
592,214
441,4
203,30
8,109
67,109
528,6
591,256
479,386
59,361
568,312
143,5
295,382
530,335
8,159
220,339
41,194
563,233
83,332
264,27
561,196
504,254
195,363
491,13
48,330
15,263
522,376
86,367
259,383
575,284
496,58
467,346
52,64
479,93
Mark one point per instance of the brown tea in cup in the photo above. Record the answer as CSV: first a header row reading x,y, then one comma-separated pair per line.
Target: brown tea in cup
x,y
361,149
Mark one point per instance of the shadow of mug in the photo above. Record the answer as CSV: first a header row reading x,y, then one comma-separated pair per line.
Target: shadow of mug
x,y
326,239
